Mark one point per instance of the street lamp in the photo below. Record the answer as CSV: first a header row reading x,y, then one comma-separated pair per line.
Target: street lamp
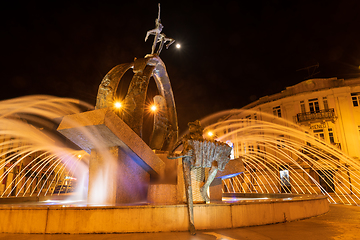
x,y
153,108
117,105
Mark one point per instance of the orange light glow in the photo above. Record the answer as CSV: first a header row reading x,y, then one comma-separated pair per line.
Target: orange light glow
x,y
153,108
117,105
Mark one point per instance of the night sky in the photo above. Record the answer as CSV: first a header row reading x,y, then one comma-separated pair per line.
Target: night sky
x,y
233,52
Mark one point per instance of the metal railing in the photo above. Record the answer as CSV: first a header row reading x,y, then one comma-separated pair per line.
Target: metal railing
x,y
325,114
337,145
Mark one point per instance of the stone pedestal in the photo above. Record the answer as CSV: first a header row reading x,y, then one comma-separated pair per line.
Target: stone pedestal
x,y
233,167
170,189
215,190
162,193
165,189
121,163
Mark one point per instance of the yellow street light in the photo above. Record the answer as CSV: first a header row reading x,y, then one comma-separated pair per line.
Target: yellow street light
x,y
117,105
153,108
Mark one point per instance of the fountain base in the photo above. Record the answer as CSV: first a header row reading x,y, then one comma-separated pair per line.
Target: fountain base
x,y
159,218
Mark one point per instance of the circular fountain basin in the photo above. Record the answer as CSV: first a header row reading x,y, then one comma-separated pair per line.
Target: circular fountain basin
x,y
236,210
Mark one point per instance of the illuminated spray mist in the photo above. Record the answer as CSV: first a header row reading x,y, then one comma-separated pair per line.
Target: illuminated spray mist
x,y
34,159
280,157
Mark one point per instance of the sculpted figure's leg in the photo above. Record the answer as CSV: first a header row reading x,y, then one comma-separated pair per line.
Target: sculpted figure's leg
x,y
171,42
161,45
188,191
156,37
204,189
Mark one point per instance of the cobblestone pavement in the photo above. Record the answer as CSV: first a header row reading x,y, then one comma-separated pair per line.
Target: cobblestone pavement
x,y
341,222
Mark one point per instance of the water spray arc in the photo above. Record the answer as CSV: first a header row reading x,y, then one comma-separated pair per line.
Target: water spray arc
x,y
32,159
267,149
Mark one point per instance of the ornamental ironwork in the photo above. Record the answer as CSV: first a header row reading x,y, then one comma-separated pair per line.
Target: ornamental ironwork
x,y
321,115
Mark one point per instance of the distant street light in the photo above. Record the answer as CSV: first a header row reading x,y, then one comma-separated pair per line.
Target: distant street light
x,y
178,45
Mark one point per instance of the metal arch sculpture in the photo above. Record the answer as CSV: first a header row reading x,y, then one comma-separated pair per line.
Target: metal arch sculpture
x,y
109,85
165,129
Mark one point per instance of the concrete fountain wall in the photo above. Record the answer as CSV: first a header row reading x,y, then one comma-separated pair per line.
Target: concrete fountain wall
x,y
158,218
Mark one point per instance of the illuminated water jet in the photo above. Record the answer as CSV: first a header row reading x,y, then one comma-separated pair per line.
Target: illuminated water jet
x,y
283,157
34,156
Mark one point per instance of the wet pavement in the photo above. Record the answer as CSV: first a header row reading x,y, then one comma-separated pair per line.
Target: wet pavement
x,y
341,222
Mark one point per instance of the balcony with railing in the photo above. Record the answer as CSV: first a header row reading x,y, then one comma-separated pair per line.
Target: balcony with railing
x,y
320,115
337,145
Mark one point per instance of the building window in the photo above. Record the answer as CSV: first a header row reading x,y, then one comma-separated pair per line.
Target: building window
x,y
319,134
355,99
285,180
326,105
280,141
302,106
277,111
314,105
251,148
248,120
285,177
232,154
331,135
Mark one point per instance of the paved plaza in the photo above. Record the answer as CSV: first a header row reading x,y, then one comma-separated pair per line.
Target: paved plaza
x,y
341,222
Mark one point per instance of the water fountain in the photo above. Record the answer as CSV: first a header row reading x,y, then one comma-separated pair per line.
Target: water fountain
x,y
280,157
129,188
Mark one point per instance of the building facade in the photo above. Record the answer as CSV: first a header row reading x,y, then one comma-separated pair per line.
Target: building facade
x,y
328,109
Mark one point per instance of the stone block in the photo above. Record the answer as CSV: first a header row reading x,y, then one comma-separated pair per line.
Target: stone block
x,y
215,190
212,216
162,194
233,167
23,220
170,170
103,128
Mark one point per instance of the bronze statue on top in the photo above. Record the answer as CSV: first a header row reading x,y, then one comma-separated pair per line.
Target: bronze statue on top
x,y
158,36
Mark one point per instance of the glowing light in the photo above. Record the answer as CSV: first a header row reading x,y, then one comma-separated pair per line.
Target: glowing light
x,y
117,105
79,156
210,134
153,108
178,46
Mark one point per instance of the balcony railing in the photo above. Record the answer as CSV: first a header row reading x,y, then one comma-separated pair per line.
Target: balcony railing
x,y
325,114
337,145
